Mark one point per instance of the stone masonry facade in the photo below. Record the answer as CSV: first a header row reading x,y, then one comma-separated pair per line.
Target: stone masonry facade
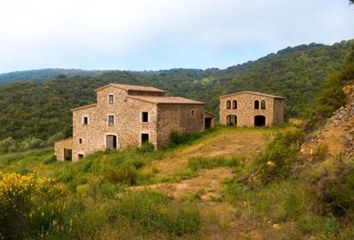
x,y
251,109
128,115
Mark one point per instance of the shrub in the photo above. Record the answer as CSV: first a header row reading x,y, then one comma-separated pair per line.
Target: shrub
x,y
8,145
52,139
122,175
178,138
279,157
50,160
31,143
28,206
335,191
146,148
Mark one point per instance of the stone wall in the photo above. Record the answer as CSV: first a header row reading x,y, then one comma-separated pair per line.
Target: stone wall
x,y
173,117
278,111
246,112
59,147
127,127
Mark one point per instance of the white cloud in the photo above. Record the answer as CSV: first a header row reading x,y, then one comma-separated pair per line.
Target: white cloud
x,y
139,34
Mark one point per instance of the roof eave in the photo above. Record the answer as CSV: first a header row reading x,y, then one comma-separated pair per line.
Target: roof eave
x,y
83,107
245,92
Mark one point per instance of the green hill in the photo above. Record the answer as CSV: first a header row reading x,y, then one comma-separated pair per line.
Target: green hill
x,y
41,109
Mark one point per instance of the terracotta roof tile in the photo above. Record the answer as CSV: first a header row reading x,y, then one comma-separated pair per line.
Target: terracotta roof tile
x,y
83,107
128,87
166,100
251,92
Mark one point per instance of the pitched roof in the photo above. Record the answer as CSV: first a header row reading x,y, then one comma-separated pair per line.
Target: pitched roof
x,y
254,93
83,107
166,100
128,87
209,113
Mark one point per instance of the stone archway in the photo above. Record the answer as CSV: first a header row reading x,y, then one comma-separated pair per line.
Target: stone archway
x,y
259,121
231,120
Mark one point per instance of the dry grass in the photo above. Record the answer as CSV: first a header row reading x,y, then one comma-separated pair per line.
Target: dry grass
x,y
224,142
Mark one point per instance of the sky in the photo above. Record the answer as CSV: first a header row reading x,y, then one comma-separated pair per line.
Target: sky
x,y
161,34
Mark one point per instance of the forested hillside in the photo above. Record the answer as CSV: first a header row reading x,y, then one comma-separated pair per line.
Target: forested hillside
x,y
41,109
44,74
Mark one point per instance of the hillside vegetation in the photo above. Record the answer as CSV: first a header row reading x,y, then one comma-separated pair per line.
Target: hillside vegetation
x,y
34,110
256,187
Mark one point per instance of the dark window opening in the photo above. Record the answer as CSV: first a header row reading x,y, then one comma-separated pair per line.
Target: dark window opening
x,y
207,123
256,104
263,104
228,105
144,138
110,99
68,154
110,120
86,120
259,121
234,104
80,140
80,156
192,113
145,117
111,142
231,120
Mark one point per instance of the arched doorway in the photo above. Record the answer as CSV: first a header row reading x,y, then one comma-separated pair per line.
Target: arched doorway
x,y
231,120
259,121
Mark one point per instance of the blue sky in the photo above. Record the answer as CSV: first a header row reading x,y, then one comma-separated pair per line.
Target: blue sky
x,y
161,34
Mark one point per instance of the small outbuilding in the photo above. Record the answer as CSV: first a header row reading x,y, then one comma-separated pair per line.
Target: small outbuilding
x,y
251,109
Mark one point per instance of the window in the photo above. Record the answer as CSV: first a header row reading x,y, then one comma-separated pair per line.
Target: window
x,y
110,98
85,120
192,113
228,104
263,104
256,104
144,138
80,140
80,156
145,117
234,104
110,120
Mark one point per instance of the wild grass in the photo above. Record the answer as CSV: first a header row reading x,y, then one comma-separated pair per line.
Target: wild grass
x,y
200,162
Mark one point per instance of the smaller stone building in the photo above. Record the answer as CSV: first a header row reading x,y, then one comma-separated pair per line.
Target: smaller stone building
x,y
251,109
129,115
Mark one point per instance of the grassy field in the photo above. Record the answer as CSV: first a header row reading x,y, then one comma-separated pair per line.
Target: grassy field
x,y
245,183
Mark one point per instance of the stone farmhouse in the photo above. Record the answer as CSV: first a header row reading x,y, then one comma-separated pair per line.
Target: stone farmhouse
x,y
251,109
129,115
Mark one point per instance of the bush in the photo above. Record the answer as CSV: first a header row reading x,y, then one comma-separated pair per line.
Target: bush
x,y
280,156
31,143
8,145
50,160
122,175
28,206
178,138
146,148
153,212
52,139
335,192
